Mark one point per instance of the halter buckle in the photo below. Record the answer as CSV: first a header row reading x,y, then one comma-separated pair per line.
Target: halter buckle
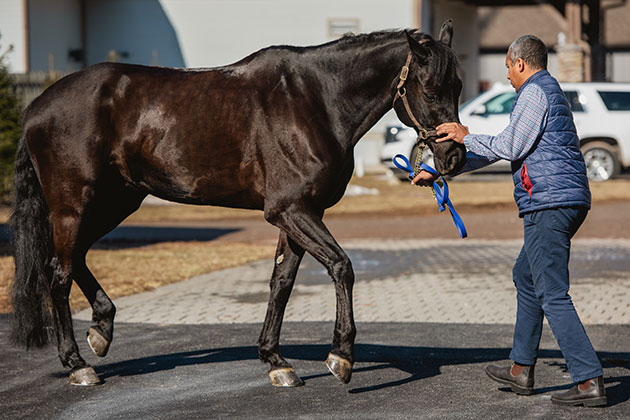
x,y
423,134
404,73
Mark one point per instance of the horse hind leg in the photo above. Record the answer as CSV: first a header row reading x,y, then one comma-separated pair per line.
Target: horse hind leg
x,y
65,228
75,229
107,209
288,257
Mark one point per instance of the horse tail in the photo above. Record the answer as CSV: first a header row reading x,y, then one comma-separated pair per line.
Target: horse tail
x,y
31,236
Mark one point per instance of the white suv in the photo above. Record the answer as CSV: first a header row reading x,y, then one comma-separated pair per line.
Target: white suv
x,y
601,112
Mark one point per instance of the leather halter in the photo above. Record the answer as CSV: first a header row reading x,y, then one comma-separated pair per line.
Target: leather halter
x,y
401,93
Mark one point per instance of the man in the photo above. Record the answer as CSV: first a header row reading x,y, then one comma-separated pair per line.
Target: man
x,y
553,197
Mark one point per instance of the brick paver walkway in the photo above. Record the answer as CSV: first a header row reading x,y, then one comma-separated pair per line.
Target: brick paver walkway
x,y
446,281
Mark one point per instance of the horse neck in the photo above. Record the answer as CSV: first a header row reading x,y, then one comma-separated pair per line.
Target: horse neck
x,y
362,86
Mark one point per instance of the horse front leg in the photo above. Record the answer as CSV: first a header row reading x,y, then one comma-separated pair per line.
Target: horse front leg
x,y
288,257
307,229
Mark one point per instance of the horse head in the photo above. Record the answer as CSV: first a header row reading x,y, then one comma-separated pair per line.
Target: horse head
x,y
428,95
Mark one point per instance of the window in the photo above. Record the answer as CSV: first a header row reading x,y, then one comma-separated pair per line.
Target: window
x,y
575,102
500,104
616,101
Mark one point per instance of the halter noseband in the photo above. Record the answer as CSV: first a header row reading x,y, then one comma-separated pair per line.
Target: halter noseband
x,y
401,93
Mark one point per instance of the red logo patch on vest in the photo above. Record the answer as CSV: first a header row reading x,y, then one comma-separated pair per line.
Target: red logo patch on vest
x,y
525,181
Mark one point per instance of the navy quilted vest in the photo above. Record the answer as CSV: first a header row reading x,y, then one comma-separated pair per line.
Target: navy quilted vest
x,y
553,173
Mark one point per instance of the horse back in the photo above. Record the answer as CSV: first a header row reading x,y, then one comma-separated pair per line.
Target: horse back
x,y
220,136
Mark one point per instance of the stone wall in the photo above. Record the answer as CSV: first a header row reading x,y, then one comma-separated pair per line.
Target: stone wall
x,y
570,63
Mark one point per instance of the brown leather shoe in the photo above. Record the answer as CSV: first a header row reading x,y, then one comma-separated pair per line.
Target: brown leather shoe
x,y
522,384
593,396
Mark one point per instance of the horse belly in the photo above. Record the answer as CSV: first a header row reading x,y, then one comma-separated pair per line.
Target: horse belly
x,y
193,171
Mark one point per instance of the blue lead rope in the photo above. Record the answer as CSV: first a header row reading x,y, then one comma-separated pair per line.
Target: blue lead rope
x,y
441,194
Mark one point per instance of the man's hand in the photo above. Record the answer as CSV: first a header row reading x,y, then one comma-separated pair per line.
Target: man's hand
x,y
424,179
454,131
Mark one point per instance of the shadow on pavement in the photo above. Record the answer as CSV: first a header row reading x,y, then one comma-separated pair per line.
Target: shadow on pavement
x,y
418,362
136,236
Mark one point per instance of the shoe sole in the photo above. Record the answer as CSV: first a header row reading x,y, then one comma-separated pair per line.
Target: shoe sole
x,y
589,402
517,389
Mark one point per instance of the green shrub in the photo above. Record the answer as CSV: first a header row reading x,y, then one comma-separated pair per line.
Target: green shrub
x,y
10,129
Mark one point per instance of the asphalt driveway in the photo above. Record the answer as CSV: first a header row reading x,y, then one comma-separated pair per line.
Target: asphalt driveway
x,y
403,370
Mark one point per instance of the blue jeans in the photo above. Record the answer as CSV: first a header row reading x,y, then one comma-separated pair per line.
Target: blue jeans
x,y
541,277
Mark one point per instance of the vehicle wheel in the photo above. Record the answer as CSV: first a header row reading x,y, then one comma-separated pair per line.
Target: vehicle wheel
x,y
601,161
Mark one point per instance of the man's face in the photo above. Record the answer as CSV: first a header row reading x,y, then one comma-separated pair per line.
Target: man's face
x,y
513,74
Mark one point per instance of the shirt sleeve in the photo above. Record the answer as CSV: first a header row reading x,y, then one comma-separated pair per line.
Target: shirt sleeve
x,y
474,161
527,122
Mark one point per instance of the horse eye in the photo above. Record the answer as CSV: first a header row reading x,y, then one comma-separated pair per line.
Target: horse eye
x,y
430,97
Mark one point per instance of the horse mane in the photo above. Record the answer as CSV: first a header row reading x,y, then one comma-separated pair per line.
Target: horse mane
x,y
443,64
346,40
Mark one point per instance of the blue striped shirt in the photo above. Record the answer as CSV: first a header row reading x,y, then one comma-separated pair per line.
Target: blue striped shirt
x,y
527,122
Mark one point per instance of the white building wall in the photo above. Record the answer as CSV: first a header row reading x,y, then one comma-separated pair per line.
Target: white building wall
x,y
139,31
619,67
207,33
55,29
465,39
216,32
12,33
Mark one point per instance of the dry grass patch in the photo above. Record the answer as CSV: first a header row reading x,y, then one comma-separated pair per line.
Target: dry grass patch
x,y
397,197
5,212
123,272
183,212
127,271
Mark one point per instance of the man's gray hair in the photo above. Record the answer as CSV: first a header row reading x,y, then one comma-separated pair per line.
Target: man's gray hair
x,y
531,50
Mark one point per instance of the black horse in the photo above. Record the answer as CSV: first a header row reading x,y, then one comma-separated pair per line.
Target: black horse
x,y
273,132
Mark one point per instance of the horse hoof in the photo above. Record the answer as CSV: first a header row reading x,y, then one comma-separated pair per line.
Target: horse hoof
x,y
284,377
98,343
84,377
340,367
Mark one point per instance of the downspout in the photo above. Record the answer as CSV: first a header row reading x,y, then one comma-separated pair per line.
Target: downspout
x,y
83,11
417,14
25,26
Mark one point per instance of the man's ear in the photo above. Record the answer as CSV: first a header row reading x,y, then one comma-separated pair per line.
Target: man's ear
x,y
446,32
420,50
520,65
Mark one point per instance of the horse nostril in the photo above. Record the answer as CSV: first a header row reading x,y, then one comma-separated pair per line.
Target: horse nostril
x,y
456,161
452,161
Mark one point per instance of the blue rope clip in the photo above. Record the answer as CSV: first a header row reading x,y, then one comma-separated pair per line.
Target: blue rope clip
x,y
441,195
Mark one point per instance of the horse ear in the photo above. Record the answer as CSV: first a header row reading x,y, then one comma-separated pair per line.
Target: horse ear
x,y
446,32
417,48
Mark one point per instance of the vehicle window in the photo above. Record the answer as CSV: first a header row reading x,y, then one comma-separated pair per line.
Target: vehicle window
x,y
574,101
616,101
500,104
466,103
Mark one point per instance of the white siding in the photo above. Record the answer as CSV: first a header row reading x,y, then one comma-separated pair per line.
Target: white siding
x,y
138,30
207,33
619,67
55,29
465,40
12,33
216,32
